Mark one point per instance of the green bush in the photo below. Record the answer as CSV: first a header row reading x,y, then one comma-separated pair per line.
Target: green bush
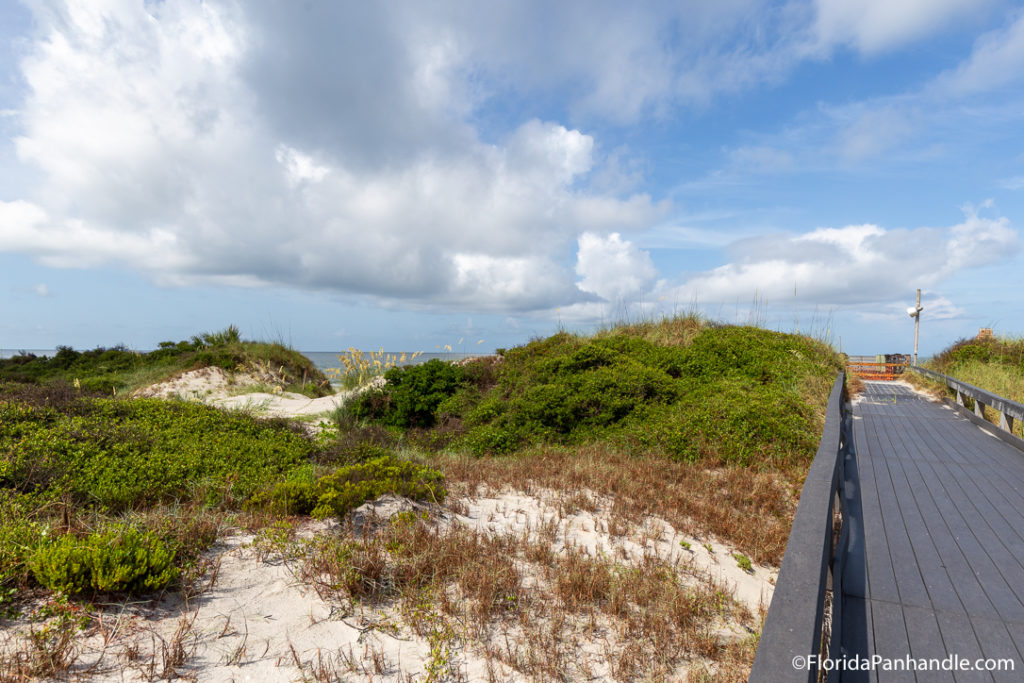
x,y
19,537
730,394
411,396
997,351
118,369
115,559
348,487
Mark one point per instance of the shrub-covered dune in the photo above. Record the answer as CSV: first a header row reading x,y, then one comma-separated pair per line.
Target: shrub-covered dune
x,y
119,369
710,394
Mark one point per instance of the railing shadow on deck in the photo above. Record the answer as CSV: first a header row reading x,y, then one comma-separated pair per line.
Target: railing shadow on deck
x,y
803,597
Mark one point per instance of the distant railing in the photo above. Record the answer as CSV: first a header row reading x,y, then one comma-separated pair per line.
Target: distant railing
x,y
794,625
1008,410
881,367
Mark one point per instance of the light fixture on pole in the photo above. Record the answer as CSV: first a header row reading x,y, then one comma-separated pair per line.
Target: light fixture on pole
x,y
915,313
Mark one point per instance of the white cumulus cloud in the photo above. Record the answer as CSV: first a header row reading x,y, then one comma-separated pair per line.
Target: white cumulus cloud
x,y
613,268
253,144
853,265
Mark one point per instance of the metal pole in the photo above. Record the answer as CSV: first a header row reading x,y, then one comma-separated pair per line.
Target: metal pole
x,y
917,324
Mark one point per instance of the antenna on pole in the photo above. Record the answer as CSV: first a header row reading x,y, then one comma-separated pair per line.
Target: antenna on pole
x,y
915,313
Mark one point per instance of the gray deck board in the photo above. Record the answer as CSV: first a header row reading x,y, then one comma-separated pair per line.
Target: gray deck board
x,y
934,564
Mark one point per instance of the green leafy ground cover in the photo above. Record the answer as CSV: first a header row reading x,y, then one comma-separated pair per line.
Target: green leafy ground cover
x,y
120,369
738,395
105,494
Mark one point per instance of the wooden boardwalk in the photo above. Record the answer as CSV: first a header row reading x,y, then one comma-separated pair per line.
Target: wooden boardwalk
x,y
935,556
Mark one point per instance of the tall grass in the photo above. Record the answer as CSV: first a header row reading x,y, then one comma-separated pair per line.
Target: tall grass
x,y
993,364
358,369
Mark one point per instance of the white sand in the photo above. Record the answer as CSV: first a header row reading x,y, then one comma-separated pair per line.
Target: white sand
x,y
217,387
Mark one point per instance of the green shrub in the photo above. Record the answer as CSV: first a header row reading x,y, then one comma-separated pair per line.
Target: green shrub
x,y
348,487
730,394
411,396
118,369
115,559
19,537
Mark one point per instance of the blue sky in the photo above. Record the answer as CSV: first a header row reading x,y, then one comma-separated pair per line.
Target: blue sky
x,y
411,174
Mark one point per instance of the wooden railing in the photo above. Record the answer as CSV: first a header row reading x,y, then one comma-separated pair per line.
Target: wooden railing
x,y
1008,410
794,625
869,367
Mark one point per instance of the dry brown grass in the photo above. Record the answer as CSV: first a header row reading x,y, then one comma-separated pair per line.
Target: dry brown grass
x,y
751,510
855,385
522,606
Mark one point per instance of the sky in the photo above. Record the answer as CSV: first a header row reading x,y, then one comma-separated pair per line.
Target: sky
x,y
413,175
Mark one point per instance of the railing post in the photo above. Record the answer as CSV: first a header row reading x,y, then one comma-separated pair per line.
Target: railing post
x,y
1005,421
979,409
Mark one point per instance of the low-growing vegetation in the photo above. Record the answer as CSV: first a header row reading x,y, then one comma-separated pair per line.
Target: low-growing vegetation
x,y
81,475
119,369
991,363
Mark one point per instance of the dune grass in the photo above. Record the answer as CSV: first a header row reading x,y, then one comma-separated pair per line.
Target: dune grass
x,y
994,364
700,393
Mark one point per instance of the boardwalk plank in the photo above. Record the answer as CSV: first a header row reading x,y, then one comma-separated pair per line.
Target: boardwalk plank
x,y
926,640
996,643
958,634
880,581
909,581
935,563
933,571
891,640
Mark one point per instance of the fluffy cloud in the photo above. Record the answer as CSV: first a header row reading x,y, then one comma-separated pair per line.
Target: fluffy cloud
x,y
613,269
318,149
854,265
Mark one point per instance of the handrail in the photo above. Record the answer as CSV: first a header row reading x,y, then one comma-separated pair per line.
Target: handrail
x,y
793,627
1008,410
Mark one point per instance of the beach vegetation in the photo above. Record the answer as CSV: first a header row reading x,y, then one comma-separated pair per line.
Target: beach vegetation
x,y
115,494
411,395
995,364
358,368
715,394
118,369
703,428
